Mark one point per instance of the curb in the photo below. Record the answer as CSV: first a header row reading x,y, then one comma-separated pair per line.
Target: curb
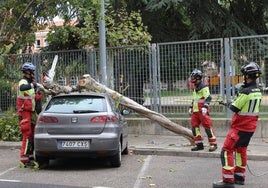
x,y
10,145
176,152
159,151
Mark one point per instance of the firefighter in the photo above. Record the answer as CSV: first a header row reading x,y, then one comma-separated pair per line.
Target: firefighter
x,y
199,111
243,125
26,100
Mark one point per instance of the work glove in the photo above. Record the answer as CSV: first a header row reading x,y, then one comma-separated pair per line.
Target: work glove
x,y
222,103
33,85
40,86
227,104
204,111
190,111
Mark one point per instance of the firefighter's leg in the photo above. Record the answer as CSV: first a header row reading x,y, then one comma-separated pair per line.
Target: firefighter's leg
x,y
27,158
198,140
211,139
30,148
227,161
207,124
27,141
227,156
25,124
241,157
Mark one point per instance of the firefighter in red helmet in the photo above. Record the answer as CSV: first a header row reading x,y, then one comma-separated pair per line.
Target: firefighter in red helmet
x,y
199,111
26,105
243,126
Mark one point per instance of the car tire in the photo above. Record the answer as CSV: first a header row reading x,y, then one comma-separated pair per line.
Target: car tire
x,y
42,161
125,151
115,160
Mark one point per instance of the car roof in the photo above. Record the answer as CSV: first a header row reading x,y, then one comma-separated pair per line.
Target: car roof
x,y
82,94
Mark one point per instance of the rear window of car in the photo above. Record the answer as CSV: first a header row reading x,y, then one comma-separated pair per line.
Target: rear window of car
x,y
77,104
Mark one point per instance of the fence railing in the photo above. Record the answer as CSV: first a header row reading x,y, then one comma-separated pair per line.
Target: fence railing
x,y
154,75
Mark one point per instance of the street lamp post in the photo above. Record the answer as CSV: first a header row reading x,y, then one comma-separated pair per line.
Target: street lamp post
x,y
102,42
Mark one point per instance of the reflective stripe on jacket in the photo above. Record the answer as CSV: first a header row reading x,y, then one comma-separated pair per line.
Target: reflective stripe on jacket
x,y
246,107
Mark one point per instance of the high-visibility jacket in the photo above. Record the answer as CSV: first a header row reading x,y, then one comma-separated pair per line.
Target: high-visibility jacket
x,y
246,107
26,98
201,97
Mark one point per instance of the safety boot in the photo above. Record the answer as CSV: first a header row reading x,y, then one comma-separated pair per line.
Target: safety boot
x,y
222,184
212,147
197,147
239,180
30,164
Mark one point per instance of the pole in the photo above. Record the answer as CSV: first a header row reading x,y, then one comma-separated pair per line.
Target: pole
x,y
227,74
102,41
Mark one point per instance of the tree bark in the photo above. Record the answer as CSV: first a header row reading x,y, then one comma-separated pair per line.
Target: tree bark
x,y
87,83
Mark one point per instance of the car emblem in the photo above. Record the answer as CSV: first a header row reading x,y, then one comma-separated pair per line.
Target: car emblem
x,y
74,119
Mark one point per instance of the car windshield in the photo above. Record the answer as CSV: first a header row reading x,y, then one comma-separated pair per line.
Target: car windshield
x,y
77,104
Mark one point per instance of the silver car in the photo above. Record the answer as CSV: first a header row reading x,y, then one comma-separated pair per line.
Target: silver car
x,y
81,125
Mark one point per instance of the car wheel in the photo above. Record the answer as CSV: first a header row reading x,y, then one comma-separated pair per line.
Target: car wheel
x,y
115,161
125,151
42,161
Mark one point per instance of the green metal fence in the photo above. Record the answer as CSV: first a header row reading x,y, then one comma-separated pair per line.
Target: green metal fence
x,y
154,75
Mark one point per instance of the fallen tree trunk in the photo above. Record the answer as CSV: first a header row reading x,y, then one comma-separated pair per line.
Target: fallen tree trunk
x,y
89,84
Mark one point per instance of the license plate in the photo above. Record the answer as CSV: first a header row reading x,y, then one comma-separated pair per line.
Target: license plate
x,y
74,144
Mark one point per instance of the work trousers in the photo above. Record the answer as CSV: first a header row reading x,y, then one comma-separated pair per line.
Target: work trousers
x,y
198,118
27,131
234,155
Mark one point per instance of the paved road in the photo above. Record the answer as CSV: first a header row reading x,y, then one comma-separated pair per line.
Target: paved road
x,y
167,163
137,171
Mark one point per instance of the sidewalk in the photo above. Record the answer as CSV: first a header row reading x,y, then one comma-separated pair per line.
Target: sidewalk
x,y
176,146
179,146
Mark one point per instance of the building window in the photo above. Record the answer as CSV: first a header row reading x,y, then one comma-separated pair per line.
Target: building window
x,y
37,43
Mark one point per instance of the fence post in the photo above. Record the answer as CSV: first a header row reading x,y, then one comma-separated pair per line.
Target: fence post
x,y
227,73
155,79
91,62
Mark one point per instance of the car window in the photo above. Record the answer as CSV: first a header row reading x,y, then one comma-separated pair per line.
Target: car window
x,y
113,105
77,104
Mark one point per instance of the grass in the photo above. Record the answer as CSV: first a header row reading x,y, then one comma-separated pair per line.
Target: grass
x,y
176,92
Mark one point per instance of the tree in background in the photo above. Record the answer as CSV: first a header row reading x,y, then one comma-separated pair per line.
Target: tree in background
x,y
22,19
181,20
128,22
122,28
225,18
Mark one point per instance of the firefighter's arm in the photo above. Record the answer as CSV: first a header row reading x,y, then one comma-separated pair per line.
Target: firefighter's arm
x,y
228,105
207,96
234,108
39,94
25,87
206,104
207,101
190,111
